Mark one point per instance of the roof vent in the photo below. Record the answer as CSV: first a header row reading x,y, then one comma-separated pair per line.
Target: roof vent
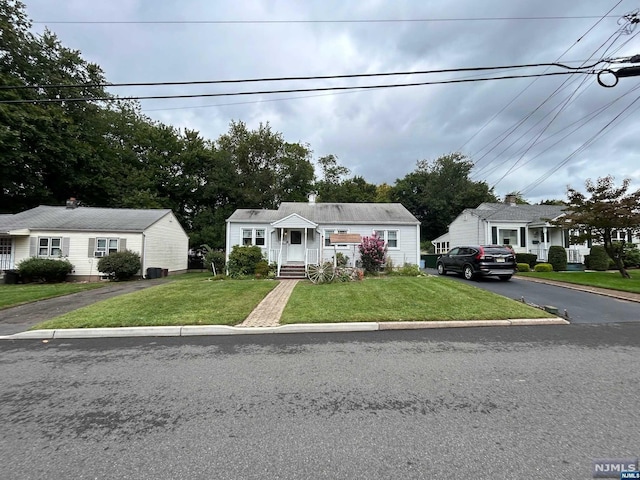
x,y
72,203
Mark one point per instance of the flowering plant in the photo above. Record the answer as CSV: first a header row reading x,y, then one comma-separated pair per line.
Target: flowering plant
x,y
373,253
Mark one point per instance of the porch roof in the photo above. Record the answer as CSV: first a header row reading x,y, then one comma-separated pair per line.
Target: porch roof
x,y
294,221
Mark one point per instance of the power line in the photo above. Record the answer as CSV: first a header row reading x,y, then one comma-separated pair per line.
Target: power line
x,y
535,80
277,22
295,90
297,78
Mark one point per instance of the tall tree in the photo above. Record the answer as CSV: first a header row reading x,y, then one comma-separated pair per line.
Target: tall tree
x,y
608,208
43,147
437,192
334,187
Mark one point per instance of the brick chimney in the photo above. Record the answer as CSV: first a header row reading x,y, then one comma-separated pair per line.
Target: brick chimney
x,y
510,200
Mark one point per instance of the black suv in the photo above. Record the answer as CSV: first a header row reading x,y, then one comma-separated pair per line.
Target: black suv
x,y
473,261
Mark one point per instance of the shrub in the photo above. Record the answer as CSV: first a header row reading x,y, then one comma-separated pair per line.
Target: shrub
x,y
243,260
631,255
528,258
409,270
523,267
372,253
120,265
36,269
217,258
598,258
543,267
388,266
586,262
262,269
558,258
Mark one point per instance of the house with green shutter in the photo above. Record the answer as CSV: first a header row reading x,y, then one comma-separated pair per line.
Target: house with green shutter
x,y
83,235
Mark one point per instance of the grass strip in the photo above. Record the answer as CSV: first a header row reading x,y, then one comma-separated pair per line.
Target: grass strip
x,y
197,301
18,294
609,279
398,299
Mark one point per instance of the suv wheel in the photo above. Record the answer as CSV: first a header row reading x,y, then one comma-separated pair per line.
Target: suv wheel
x,y
468,272
441,270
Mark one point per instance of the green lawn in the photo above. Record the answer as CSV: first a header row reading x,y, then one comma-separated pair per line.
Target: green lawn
x,y
12,295
610,279
400,298
192,299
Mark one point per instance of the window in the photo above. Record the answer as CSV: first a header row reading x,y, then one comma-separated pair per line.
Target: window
x,y
327,238
106,246
390,237
49,246
253,236
247,236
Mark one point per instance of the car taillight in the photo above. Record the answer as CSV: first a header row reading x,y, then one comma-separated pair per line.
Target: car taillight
x,y
480,254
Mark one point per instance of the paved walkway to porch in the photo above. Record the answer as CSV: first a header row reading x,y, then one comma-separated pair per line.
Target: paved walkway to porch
x,y
269,311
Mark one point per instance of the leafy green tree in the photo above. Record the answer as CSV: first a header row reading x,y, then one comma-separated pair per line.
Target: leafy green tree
x,y
607,208
437,192
333,187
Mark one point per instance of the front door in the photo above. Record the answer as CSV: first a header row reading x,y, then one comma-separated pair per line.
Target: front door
x,y
296,247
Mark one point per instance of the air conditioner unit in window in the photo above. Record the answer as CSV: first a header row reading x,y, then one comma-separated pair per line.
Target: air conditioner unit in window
x,y
98,254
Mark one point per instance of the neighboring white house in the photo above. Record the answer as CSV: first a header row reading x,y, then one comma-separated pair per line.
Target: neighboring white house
x,y
84,234
527,228
299,233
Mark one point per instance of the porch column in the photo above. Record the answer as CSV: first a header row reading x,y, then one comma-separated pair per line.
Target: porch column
x,y
546,247
305,246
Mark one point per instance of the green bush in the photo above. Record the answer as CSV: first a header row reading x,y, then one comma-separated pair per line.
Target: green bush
x,y
120,265
217,258
558,258
262,269
631,255
409,270
543,267
243,260
528,258
586,262
36,269
523,267
598,258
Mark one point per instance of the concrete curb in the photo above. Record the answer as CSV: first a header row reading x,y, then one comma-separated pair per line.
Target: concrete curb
x,y
205,330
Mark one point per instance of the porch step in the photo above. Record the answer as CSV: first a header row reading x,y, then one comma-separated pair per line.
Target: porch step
x,y
292,271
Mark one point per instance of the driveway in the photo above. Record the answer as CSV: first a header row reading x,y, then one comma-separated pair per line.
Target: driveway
x,y
582,306
21,318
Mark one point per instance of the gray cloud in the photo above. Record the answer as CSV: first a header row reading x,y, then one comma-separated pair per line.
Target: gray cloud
x,y
378,134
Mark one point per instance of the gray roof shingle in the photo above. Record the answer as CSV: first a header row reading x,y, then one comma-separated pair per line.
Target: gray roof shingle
x,y
331,213
517,213
92,219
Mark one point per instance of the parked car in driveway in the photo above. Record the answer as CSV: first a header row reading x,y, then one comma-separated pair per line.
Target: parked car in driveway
x,y
479,260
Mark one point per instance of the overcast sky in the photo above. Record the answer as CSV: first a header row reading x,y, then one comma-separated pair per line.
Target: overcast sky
x,y
518,137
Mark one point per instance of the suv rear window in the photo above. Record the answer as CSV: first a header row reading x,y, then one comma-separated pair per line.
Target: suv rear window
x,y
497,251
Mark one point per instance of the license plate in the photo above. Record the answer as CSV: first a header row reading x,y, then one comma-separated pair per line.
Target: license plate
x,y
500,260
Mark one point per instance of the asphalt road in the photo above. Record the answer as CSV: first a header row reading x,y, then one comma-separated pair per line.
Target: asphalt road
x,y
582,307
517,402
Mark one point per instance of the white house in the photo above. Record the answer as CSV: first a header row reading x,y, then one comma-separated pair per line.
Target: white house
x,y
84,234
299,233
527,228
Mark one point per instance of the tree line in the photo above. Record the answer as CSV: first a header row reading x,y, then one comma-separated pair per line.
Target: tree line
x,y
109,154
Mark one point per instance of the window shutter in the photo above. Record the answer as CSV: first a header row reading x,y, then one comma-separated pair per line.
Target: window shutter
x,y
66,241
494,235
122,244
92,247
566,238
629,236
523,240
33,246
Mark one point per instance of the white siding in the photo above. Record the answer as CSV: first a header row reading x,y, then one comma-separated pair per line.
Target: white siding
x,y
166,245
467,229
83,264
